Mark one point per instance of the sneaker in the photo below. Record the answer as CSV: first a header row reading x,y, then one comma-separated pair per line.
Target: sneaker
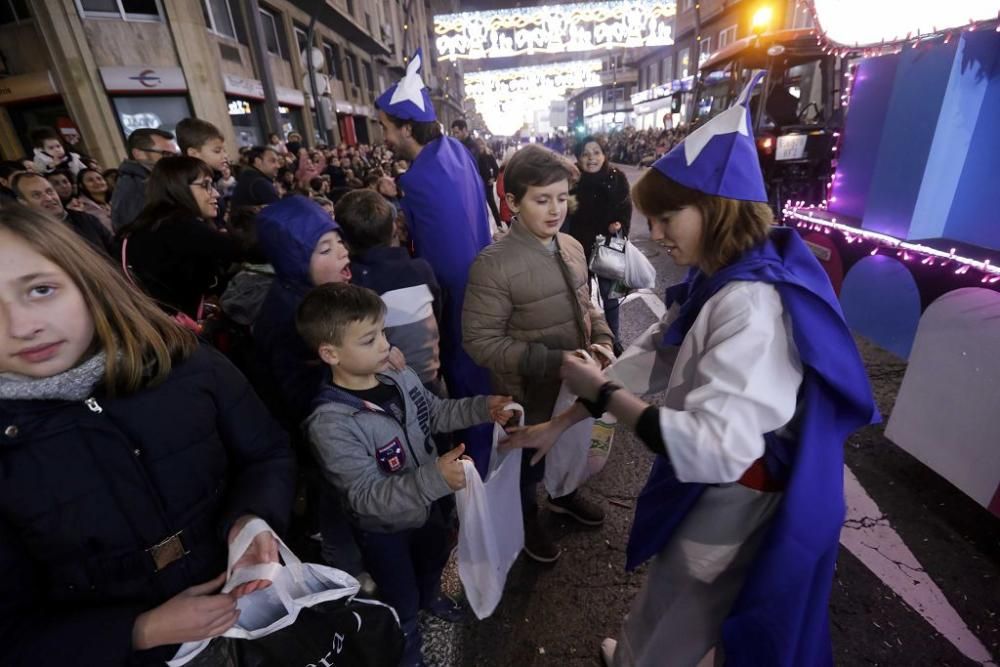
x,y
538,543
446,609
575,505
608,647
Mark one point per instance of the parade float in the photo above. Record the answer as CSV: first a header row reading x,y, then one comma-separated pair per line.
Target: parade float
x,y
909,229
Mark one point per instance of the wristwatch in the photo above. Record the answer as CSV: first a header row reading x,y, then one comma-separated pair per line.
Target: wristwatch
x,y
599,405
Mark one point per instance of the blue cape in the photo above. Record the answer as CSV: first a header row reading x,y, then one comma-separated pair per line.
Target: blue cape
x,y
780,617
446,212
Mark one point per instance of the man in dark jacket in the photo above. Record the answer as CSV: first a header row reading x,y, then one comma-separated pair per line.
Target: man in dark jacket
x,y
255,185
145,148
8,169
35,192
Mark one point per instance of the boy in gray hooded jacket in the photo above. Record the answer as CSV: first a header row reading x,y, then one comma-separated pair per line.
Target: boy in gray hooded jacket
x,y
371,429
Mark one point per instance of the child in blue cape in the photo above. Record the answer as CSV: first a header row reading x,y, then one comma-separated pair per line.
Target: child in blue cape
x,y
742,511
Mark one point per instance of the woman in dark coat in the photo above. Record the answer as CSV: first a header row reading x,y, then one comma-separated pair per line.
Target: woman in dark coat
x,y
603,207
130,457
172,250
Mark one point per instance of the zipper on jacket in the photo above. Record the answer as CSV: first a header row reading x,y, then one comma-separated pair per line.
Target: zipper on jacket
x,y
406,431
93,405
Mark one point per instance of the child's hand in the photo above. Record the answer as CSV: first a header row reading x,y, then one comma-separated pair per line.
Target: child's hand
x,y
497,412
397,361
451,468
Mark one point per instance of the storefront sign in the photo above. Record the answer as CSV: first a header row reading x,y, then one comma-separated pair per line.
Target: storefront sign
x,y
143,79
25,87
239,108
290,96
239,86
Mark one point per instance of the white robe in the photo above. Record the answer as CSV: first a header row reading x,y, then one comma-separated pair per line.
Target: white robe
x,y
734,377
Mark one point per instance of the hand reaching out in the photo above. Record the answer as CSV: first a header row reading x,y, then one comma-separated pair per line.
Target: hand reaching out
x,y
497,412
197,613
451,468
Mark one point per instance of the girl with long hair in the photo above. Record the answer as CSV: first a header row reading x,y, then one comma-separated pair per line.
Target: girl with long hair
x,y
130,456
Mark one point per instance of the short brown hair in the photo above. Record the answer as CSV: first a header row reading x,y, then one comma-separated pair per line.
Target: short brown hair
x,y
367,220
141,343
537,166
195,133
730,227
326,311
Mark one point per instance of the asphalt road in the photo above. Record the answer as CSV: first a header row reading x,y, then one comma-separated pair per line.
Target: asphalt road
x,y
557,615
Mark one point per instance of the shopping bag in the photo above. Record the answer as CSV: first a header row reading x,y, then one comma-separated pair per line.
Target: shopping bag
x,y
567,464
607,257
639,271
602,436
308,615
490,529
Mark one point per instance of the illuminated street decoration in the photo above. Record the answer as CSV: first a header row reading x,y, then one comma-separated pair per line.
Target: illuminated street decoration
x,y
554,29
509,98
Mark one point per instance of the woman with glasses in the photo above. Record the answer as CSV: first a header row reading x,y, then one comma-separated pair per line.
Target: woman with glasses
x,y
172,250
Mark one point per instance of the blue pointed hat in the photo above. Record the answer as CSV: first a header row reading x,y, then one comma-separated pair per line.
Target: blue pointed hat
x,y
409,99
720,157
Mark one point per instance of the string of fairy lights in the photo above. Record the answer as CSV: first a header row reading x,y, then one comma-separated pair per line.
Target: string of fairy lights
x,y
554,29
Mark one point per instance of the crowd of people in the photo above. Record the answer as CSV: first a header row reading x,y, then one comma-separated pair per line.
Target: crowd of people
x,y
198,343
642,147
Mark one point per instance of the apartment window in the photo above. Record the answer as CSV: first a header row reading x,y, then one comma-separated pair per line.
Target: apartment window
x,y
704,49
727,36
369,77
667,69
651,77
368,23
127,10
270,24
219,16
301,38
352,69
332,56
350,7
14,11
684,63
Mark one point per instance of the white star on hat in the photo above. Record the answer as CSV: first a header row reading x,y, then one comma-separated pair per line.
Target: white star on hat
x,y
411,86
734,119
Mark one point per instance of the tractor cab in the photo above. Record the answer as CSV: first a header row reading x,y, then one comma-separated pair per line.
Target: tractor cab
x,y
797,109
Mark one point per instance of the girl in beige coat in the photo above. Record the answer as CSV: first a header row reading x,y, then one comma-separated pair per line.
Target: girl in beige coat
x,y
527,304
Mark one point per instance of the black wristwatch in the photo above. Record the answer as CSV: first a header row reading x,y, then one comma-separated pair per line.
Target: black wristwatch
x,y
599,406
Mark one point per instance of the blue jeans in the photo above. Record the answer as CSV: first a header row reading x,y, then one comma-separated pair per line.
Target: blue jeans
x,y
407,566
610,305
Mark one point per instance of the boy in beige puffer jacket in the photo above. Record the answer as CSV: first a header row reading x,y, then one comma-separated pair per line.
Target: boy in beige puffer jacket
x,y
527,303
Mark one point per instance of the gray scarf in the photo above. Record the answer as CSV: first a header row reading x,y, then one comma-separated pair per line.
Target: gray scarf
x,y
76,384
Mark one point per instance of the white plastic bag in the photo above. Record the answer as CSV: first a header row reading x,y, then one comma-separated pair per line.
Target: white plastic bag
x,y
566,463
639,271
294,586
491,528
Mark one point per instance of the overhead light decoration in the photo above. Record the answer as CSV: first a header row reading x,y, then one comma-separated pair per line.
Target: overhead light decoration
x,y
509,98
893,21
554,29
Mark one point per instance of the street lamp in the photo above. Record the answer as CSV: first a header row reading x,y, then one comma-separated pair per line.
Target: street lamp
x,y
761,20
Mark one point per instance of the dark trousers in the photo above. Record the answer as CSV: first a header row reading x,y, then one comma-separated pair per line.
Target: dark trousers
x,y
531,476
407,566
340,550
610,305
491,202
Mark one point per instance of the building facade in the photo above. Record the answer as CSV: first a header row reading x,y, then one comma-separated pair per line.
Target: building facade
x,y
98,69
666,77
